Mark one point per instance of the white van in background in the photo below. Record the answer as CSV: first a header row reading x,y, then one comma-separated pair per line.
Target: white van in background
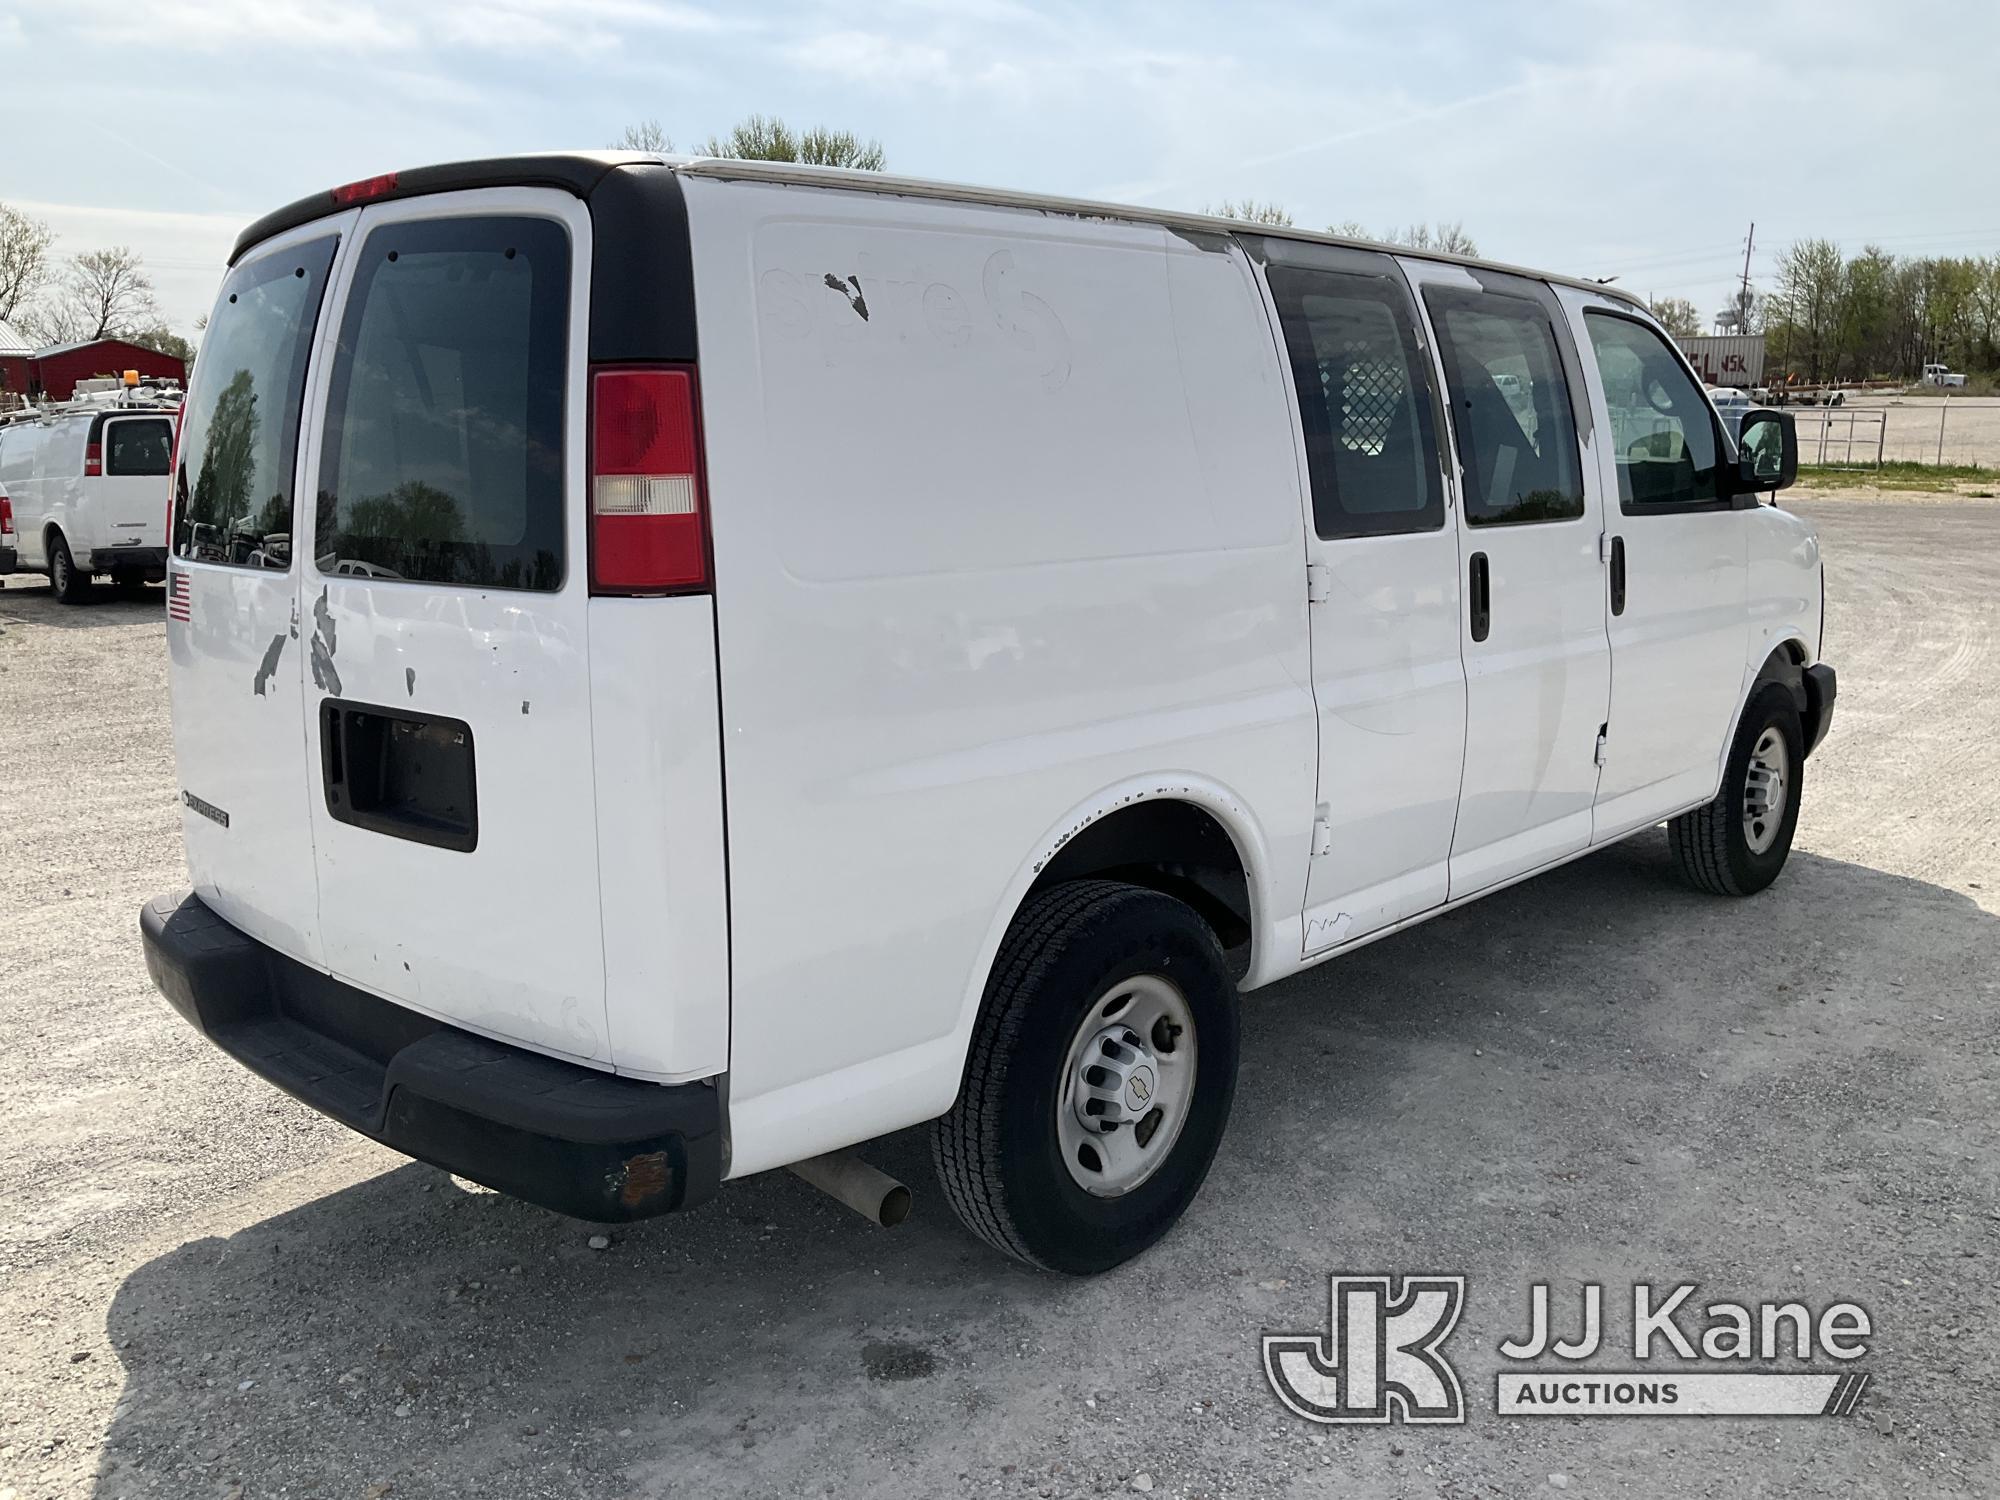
x,y
88,480
681,667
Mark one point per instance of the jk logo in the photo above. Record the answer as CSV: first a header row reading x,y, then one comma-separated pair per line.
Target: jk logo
x,y
1380,1361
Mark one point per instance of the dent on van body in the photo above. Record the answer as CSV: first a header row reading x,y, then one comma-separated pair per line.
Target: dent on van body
x,y
1784,583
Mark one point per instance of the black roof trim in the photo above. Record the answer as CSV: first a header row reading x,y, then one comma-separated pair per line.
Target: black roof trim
x,y
575,172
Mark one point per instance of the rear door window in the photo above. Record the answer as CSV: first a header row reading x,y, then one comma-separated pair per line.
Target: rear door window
x,y
1510,407
443,455
138,446
1364,402
240,428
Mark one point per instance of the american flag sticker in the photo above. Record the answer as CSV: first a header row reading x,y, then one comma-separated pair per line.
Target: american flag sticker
x,y
179,603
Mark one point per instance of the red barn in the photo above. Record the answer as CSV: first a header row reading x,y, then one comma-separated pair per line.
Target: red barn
x,y
56,370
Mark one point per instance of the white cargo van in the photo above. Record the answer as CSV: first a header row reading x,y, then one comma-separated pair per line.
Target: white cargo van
x,y
88,481
680,667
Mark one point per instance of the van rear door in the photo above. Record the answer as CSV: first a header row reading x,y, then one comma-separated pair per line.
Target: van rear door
x,y
444,608
130,495
233,594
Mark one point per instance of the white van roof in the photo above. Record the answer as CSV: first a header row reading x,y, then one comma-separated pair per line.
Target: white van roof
x,y
579,171
923,187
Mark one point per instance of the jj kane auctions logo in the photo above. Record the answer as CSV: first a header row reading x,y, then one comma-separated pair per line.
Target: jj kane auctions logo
x,y
1382,1357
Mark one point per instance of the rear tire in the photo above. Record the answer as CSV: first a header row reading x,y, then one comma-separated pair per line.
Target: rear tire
x,y
1024,1155
71,587
1737,844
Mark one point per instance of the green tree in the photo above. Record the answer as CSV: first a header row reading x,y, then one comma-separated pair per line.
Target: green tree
x,y
24,259
103,294
1807,313
163,339
761,139
644,135
228,455
1678,316
1250,211
1446,239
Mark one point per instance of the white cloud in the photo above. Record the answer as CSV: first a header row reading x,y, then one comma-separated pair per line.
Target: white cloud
x,y
870,56
373,26
227,25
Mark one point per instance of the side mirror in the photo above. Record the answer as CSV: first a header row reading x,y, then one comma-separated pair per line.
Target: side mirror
x,y
1767,454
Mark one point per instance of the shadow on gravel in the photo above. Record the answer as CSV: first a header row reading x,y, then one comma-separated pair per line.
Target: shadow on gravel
x,y
33,603
1598,1073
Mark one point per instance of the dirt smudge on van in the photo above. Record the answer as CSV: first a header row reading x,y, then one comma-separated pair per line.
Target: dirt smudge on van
x,y
325,677
1209,242
269,665
410,681
854,298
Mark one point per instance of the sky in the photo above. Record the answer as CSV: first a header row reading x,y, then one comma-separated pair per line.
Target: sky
x,y
1603,140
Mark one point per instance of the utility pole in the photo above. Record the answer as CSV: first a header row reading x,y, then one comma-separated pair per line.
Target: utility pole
x,y
1743,300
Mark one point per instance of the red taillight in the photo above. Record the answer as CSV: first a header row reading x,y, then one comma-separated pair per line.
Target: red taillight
x,y
93,460
648,525
366,188
6,516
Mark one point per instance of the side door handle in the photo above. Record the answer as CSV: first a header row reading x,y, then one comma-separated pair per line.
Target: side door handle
x,y
1480,596
1618,575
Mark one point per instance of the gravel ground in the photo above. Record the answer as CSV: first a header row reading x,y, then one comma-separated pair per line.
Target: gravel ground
x,y
206,1290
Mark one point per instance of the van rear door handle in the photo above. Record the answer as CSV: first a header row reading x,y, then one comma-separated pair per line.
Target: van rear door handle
x,y
1618,575
1480,596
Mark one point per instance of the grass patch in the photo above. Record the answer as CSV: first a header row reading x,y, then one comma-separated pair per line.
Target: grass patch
x,y
1897,476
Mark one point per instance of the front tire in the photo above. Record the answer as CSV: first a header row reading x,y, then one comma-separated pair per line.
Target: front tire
x,y
1737,844
1099,1079
71,587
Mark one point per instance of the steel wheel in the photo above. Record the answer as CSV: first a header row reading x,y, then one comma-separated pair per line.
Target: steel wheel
x,y
1766,786
1127,1081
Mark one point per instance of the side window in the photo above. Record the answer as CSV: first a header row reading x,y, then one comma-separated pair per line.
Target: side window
x,y
139,446
443,458
1662,429
1364,402
1510,407
240,426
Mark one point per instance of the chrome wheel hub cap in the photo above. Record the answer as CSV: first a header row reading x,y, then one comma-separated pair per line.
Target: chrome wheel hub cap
x,y
1766,786
1127,1081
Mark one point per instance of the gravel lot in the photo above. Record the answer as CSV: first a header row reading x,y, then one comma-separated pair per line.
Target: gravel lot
x,y
208,1291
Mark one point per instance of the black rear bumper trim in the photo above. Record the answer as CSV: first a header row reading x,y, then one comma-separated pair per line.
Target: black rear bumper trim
x,y
567,1137
149,560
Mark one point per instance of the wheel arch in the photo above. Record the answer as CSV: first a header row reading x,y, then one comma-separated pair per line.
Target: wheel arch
x,y
1134,831
1786,663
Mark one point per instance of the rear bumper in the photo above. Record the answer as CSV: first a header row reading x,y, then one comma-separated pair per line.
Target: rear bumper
x,y
151,561
566,1137
9,559
1822,687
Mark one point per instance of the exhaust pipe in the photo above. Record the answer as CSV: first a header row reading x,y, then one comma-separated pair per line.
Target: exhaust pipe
x,y
876,1196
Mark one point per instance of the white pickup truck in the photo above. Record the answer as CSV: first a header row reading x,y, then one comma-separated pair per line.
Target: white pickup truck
x,y
1940,375
681,667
